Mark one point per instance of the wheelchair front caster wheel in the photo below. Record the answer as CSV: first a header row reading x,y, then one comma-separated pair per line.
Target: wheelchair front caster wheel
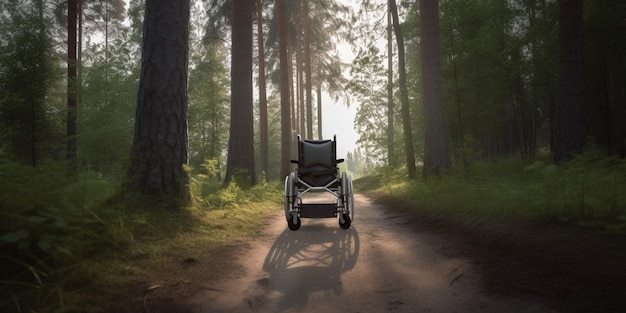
x,y
346,223
292,225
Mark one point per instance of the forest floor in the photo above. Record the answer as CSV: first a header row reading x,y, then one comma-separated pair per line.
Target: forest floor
x,y
393,259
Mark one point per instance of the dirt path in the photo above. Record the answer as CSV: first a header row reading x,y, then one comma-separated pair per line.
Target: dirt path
x,y
379,265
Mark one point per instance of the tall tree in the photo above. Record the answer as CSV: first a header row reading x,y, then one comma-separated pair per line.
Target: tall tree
x,y
209,105
26,79
104,18
570,131
390,100
241,141
71,148
159,149
367,75
299,73
285,105
404,95
107,83
605,24
306,24
318,92
262,93
436,154
326,24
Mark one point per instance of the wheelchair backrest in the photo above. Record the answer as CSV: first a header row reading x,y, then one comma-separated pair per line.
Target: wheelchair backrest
x,y
317,161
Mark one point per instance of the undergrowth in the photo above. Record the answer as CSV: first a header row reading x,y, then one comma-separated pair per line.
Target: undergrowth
x,y
61,237
586,191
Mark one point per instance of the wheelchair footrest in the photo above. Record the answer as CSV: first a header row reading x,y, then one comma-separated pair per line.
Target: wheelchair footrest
x,y
318,210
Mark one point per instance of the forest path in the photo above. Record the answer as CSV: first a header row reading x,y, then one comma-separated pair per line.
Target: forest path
x,y
381,264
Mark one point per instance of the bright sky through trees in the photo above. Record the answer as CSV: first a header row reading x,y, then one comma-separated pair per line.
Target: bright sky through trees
x,y
337,117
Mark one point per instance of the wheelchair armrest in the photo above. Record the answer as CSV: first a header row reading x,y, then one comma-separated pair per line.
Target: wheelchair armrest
x,y
340,161
294,161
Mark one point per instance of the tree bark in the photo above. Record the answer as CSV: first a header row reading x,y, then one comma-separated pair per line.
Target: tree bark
x,y
159,149
285,106
390,102
617,136
436,154
320,136
307,68
263,123
240,160
570,121
300,82
71,148
404,95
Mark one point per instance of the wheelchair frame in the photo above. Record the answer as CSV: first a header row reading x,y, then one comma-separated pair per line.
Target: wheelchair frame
x,y
317,175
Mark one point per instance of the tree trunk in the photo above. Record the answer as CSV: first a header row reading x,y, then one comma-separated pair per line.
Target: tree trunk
x,y
307,68
159,149
570,120
71,148
285,106
404,95
616,145
241,141
457,101
320,136
292,91
262,95
390,102
436,154
299,82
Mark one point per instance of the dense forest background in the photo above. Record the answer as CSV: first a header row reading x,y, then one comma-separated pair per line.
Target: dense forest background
x,y
499,73
440,86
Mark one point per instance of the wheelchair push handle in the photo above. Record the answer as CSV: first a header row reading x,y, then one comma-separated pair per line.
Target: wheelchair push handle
x,y
296,161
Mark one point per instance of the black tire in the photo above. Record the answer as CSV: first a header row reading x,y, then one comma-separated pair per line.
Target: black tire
x,y
347,222
292,225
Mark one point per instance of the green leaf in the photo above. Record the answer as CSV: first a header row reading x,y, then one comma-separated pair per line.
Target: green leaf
x,y
45,245
37,219
15,236
60,223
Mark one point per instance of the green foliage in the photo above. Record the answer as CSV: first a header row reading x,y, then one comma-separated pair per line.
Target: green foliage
x,y
46,225
210,192
41,205
58,234
367,85
585,191
27,73
38,286
208,112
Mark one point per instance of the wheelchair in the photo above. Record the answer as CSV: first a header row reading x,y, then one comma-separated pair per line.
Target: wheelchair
x,y
317,189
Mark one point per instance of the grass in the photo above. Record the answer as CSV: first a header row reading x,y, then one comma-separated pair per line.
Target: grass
x,y
161,240
586,191
65,241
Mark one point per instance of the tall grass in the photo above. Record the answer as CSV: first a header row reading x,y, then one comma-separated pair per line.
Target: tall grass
x,y
48,224
587,191
61,236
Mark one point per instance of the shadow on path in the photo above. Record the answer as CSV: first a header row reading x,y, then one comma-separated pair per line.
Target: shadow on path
x,y
310,260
